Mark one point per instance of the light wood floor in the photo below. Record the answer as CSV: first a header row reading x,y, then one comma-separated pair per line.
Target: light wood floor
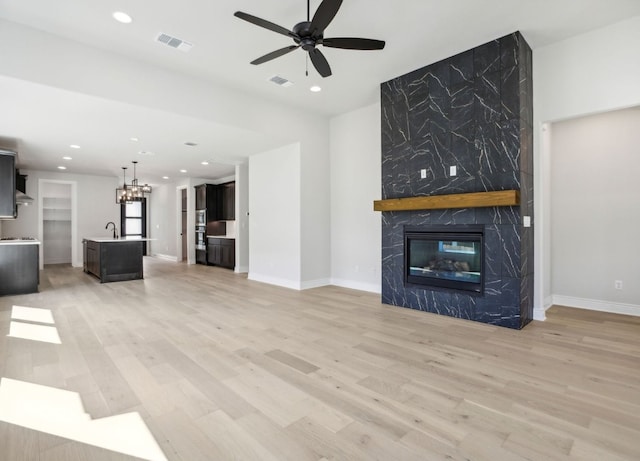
x,y
222,368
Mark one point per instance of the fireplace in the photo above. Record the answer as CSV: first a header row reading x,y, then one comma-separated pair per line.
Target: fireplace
x,y
445,257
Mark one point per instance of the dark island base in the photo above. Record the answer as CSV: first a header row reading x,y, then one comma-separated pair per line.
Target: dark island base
x,y
114,261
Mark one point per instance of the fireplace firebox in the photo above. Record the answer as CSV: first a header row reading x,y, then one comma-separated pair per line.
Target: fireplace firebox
x,y
445,257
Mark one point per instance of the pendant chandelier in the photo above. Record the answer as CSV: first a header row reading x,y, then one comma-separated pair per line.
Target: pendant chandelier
x,y
133,192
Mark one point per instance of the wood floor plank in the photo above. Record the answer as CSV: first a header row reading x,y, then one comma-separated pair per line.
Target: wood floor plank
x,y
232,440
275,438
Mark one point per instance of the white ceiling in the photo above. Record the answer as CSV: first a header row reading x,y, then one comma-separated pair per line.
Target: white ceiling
x,y
417,33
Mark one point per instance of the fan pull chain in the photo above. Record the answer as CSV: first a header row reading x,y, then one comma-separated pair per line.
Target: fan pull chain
x,y
306,71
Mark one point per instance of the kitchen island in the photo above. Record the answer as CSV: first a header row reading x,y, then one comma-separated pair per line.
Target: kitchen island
x,y
114,260
19,266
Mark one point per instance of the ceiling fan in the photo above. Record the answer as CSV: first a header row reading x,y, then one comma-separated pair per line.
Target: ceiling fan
x,y
310,33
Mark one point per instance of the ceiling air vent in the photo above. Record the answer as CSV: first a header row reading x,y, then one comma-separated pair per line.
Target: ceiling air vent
x,y
174,42
281,81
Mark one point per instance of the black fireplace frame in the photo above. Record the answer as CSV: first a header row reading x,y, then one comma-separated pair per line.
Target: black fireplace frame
x,y
459,232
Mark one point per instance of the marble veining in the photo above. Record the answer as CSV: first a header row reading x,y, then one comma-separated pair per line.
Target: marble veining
x,y
474,111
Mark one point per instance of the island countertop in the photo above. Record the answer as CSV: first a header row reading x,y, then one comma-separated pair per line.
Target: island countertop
x,y
118,240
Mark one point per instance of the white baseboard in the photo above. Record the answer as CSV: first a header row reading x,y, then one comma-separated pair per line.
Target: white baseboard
x,y
362,286
166,257
539,312
294,285
548,302
58,261
241,269
286,283
597,305
314,283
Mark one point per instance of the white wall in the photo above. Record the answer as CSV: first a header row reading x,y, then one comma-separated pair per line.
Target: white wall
x,y
274,217
161,207
594,212
95,199
590,73
315,235
355,184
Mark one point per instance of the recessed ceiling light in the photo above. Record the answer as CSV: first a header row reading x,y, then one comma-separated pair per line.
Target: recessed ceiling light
x,y
183,171
66,157
165,177
74,146
205,163
315,89
134,139
124,18
146,152
62,168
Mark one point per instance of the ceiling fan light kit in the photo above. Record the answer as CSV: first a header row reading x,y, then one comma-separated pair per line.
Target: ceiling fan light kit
x,y
309,34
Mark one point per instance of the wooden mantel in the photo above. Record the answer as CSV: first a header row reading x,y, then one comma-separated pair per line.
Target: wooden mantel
x,y
440,202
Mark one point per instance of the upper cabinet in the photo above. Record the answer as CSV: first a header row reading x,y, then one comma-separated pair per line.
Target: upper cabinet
x,y
219,201
208,198
228,201
8,208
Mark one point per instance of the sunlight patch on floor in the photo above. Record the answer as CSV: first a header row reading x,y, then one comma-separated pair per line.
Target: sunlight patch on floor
x,y
33,332
61,413
32,314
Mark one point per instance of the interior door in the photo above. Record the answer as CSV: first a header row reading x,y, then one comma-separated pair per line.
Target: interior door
x,y
183,231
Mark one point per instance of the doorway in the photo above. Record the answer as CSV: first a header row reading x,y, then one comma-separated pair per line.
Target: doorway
x,y
57,222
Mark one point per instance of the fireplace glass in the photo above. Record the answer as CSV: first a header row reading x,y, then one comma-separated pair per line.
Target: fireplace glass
x,y
449,260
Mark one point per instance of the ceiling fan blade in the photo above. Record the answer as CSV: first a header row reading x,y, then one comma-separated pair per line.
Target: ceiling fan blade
x,y
320,62
274,54
324,15
353,43
264,23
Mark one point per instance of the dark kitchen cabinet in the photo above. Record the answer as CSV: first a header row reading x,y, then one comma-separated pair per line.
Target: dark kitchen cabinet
x,y
221,252
209,198
201,196
228,201
91,257
219,201
201,256
21,182
8,208
19,268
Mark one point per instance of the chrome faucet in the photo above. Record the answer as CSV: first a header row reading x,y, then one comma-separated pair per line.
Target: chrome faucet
x,y
115,231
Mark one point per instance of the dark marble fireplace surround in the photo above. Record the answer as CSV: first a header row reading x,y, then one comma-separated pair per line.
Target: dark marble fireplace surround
x,y
472,111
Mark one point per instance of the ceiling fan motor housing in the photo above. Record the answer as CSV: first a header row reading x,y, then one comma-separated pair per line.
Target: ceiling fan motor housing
x,y
304,36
